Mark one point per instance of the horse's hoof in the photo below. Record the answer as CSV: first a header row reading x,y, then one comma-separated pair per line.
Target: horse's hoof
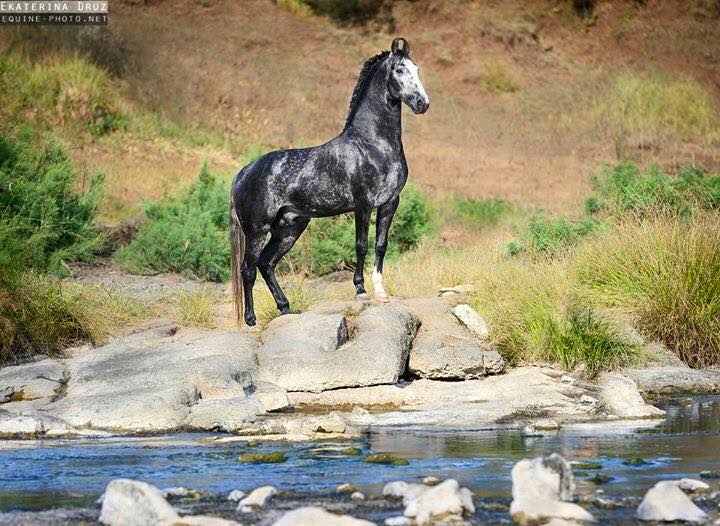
x,y
382,298
362,296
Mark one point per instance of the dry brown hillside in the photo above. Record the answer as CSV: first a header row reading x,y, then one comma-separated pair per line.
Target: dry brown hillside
x,y
528,97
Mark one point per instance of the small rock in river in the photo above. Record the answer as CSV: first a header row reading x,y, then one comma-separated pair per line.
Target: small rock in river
x,y
236,495
256,499
444,501
262,458
134,503
692,485
635,461
710,474
385,458
314,516
666,502
357,496
345,488
399,521
431,481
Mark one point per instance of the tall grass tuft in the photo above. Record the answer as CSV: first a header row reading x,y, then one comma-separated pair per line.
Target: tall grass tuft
x,y
480,213
666,273
42,316
44,220
657,106
69,93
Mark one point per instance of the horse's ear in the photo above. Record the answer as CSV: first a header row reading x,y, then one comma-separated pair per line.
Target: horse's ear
x,y
404,51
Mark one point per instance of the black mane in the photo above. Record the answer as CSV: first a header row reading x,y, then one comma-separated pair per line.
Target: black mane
x,y
366,74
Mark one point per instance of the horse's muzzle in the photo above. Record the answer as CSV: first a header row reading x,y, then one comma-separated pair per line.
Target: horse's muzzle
x,y
421,106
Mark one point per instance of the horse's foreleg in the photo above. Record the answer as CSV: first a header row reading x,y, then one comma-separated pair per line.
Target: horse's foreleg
x,y
248,270
280,243
385,215
362,225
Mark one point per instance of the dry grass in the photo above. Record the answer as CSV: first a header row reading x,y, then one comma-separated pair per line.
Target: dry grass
x,y
298,294
198,308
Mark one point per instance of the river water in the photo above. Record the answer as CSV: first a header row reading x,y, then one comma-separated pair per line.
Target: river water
x,y
39,475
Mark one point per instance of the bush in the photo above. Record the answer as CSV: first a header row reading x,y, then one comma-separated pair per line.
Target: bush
x,y
666,273
41,316
624,188
44,220
185,234
545,236
63,92
329,243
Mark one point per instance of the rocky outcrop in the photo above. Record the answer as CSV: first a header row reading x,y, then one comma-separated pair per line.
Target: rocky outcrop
x,y
161,381
314,352
622,398
256,499
41,379
521,395
676,380
314,516
666,502
445,349
542,489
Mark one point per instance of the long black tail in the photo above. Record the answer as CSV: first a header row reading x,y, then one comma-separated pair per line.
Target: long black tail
x,y
237,254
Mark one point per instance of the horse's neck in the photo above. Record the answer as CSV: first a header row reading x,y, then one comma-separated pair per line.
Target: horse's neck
x,y
378,118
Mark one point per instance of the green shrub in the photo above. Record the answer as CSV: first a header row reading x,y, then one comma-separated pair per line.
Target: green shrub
x,y
624,188
329,243
185,234
44,220
480,213
42,316
545,236
665,272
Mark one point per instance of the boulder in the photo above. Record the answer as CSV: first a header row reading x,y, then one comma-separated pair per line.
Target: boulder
x,y
32,423
314,516
236,495
541,490
256,499
6,393
133,503
229,415
34,380
693,485
271,396
676,379
445,349
400,489
471,319
666,502
622,398
311,352
446,501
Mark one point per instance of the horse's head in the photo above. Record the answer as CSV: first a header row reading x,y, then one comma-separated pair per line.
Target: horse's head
x,y
403,81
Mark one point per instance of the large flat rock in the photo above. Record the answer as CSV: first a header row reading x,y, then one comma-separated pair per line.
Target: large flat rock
x,y
444,349
34,380
316,352
676,380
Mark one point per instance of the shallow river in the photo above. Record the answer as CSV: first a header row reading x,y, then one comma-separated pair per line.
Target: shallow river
x,y
73,473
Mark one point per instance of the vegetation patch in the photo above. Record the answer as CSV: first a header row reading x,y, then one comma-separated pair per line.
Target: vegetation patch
x,y
41,316
665,272
198,308
185,234
45,220
480,213
67,93
547,236
625,189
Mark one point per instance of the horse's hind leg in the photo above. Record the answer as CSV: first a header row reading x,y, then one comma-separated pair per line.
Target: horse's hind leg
x,y
253,245
282,240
